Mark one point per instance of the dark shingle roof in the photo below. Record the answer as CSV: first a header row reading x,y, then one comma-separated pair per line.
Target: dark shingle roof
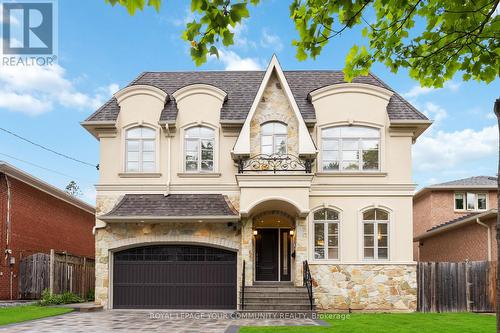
x,y
159,205
242,86
471,181
458,219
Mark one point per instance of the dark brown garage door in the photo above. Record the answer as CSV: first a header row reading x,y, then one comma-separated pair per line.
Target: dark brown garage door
x,y
174,277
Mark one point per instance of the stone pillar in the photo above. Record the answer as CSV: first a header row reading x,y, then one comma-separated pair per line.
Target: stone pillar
x,y
101,268
247,249
301,240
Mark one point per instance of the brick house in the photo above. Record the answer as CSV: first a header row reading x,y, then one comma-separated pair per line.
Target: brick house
x,y
38,217
455,221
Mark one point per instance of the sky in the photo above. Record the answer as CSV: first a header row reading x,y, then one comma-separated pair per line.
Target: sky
x,y
102,48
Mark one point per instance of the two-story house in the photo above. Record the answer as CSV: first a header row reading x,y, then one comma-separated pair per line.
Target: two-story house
x,y
214,180
455,221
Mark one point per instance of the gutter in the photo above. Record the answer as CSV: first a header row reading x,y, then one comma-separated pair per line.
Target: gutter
x,y
199,218
488,230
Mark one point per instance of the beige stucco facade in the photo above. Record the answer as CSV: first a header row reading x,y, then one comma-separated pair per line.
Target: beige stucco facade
x,y
347,282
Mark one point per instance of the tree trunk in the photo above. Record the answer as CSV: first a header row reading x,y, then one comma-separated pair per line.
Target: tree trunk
x,y
497,113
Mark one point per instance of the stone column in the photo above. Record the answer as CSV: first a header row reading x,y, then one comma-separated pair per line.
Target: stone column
x,y
247,249
301,240
101,268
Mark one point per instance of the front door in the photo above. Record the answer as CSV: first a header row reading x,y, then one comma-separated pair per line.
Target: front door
x,y
272,255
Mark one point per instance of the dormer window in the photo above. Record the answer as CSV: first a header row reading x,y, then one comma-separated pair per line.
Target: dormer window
x,y
350,149
199,145
140,145
273,138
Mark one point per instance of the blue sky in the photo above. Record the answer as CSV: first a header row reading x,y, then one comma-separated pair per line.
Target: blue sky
x,y
102,48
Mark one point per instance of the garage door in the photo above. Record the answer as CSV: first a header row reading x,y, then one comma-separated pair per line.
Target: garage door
x,y
174,277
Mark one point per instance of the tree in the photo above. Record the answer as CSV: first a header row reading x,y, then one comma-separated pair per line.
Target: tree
x,y
73,189
433,39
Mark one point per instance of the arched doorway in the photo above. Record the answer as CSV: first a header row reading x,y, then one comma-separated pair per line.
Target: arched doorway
x,y
273,233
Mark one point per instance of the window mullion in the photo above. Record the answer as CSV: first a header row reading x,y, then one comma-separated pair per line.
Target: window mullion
x,y
140,155
198,163
375,239
325,230
360,154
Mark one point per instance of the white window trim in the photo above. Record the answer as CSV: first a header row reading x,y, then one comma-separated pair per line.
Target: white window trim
x,y
476,203
274,136
359,139
375,259
311,247
182,161
125,151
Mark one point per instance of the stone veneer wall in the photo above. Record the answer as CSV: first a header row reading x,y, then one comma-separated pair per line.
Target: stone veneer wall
x,y
121,235
365,287
274,106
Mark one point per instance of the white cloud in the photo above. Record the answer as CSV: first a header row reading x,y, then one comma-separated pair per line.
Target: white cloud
x,y
435,113
37,89
233,62
448,150
89,194
417,90
270,40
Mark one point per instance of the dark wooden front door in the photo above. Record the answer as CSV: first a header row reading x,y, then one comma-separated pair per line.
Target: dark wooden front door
x,y
266,255
174,277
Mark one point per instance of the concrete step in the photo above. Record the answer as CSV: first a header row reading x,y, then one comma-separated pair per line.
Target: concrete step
x,y
260,289
279,307
277,301
276,295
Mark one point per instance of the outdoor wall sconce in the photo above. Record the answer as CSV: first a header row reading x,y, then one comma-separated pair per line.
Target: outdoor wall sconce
x,y
255,232
292,232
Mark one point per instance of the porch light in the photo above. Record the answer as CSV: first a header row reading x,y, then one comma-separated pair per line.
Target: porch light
x,y
292,232
255,232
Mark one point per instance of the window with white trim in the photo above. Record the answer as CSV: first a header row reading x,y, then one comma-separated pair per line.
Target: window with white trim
x,y
471,201
350,149
140,149
199,145
273,136
376,234
326,234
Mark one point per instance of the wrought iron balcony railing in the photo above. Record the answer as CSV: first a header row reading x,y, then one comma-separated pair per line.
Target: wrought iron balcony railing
x,y
275,163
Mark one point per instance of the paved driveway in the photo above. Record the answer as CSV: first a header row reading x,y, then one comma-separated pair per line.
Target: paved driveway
x,y
153,321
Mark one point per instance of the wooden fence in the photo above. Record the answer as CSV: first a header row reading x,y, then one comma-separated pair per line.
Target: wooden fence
x,y
57,272
456,287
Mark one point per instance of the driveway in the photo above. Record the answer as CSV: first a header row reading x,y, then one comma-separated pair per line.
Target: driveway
x,y
157,321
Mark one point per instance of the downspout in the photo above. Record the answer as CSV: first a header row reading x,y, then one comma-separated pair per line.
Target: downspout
x,y
169,163
8,231
488,228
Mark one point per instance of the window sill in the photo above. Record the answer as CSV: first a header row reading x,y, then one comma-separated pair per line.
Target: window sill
x,y
468,211
351,174
198,175
139,175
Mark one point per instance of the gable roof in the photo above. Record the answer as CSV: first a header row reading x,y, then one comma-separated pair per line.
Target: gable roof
x,y
39,184
471,181
241,88
172,206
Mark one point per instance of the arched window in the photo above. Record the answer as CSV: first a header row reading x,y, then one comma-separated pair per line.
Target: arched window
x,y
376,234
350,148
326,234
273,138
199,145
140,144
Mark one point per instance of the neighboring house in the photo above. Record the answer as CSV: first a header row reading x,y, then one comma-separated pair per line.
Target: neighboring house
x,y
37,217
455,221
204,173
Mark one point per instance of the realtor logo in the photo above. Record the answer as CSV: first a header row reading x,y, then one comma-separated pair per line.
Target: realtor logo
x,y
28,28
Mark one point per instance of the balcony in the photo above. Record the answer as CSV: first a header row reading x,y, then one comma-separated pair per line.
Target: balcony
x,y
275,164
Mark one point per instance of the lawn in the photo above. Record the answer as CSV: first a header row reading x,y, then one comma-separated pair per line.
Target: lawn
x,y
396,323
17,314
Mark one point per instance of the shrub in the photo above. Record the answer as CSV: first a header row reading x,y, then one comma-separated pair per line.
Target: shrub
x,y
54,299
90,295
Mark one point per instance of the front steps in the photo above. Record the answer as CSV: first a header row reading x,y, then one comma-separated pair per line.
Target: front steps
x,y
276,296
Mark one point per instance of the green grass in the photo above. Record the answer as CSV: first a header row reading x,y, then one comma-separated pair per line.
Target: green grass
x,y
395,323
17,314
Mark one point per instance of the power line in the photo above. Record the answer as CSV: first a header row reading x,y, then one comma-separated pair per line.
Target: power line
x,y
46,169
48,149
